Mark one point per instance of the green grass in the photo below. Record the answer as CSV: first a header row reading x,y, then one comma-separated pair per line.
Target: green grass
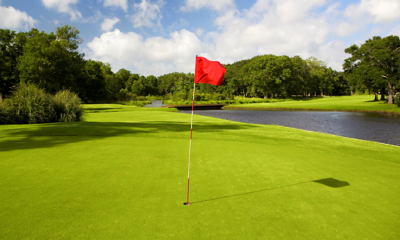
x,y
122,174
346,103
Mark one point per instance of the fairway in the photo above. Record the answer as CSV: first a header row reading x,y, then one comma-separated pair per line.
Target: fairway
x,y
344,103
122,174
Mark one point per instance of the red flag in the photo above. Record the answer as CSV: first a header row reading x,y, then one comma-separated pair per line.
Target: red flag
x,y
210,72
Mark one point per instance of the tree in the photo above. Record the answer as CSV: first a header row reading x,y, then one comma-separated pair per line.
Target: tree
x,y
11,48
382,55
52,61
317,75
94,81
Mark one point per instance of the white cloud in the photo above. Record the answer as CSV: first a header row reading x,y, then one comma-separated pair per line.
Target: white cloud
x,y
310,30
155,55
262,30
117,3
63,6
219,5
200,32
146,13
108,24
289,10
12,18
376,10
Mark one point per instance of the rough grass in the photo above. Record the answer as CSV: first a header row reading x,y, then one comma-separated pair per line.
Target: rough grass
x,y
122,174
346,103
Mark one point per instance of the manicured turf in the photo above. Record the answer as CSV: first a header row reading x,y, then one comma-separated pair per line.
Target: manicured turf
x,y
122,174
356,102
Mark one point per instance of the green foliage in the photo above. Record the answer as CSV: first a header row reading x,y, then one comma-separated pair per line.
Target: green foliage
x,y
66,107
11,48
374,65
28,104
397,99
51,61
180,96
94,86
125,95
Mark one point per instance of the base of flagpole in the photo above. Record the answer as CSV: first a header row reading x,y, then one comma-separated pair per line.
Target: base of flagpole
x,y
187,203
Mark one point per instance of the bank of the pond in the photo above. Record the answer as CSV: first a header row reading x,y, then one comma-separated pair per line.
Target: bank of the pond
x,y
383,128
122,174
358,103
306,109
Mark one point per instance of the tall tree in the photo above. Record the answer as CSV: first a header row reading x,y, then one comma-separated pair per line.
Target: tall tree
x,y
11,48
52,61
94,81
383,56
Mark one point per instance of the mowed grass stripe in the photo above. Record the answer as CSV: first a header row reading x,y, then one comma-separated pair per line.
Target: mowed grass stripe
x,y
247,181
344,103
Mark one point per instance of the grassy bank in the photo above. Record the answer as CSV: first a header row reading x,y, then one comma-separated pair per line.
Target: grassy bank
x,y
122,174
346,103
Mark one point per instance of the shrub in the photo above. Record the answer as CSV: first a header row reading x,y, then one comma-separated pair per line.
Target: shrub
x,y
4,114
28,104
66,107
397,99
180,96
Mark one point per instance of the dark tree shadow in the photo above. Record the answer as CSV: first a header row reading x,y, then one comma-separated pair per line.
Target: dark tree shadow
x,y
306,98
330,182
55,134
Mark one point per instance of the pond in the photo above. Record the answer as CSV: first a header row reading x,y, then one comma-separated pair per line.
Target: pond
x,y
157,103
367,126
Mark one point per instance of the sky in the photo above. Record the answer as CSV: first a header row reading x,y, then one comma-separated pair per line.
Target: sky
x,y
155,37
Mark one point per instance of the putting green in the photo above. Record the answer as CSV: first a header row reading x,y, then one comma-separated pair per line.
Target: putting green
x,y
345,103
122,174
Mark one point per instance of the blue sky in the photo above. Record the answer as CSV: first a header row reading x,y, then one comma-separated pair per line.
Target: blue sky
x,y
161,36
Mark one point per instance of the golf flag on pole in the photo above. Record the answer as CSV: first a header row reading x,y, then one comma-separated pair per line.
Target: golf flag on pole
x,y
210,72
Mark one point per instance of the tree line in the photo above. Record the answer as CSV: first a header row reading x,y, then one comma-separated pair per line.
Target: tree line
x,y
52,62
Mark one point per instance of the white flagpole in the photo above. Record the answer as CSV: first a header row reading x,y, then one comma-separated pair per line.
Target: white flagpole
x,y
190,145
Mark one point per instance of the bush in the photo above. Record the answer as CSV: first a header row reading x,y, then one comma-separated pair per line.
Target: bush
x,y
397,99
180,96
66,107
28,104
4,114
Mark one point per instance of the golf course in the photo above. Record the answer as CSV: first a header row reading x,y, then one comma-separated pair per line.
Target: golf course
x,y
122,174
362,103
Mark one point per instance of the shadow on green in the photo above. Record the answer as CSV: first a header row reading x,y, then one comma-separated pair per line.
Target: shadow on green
x,y
50,135
333,183
329,182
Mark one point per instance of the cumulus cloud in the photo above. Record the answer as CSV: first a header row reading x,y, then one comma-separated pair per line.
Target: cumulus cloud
x,y
219,5
259,31
117,3
12,18
377,10
145,14
289,10
155,55
63,6
239,35
109,23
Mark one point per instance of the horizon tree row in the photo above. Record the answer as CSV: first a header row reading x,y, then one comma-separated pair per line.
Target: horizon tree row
x,y
52,62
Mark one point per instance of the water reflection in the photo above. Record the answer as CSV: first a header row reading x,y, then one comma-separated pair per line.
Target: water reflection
x,y
157,103
368,126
